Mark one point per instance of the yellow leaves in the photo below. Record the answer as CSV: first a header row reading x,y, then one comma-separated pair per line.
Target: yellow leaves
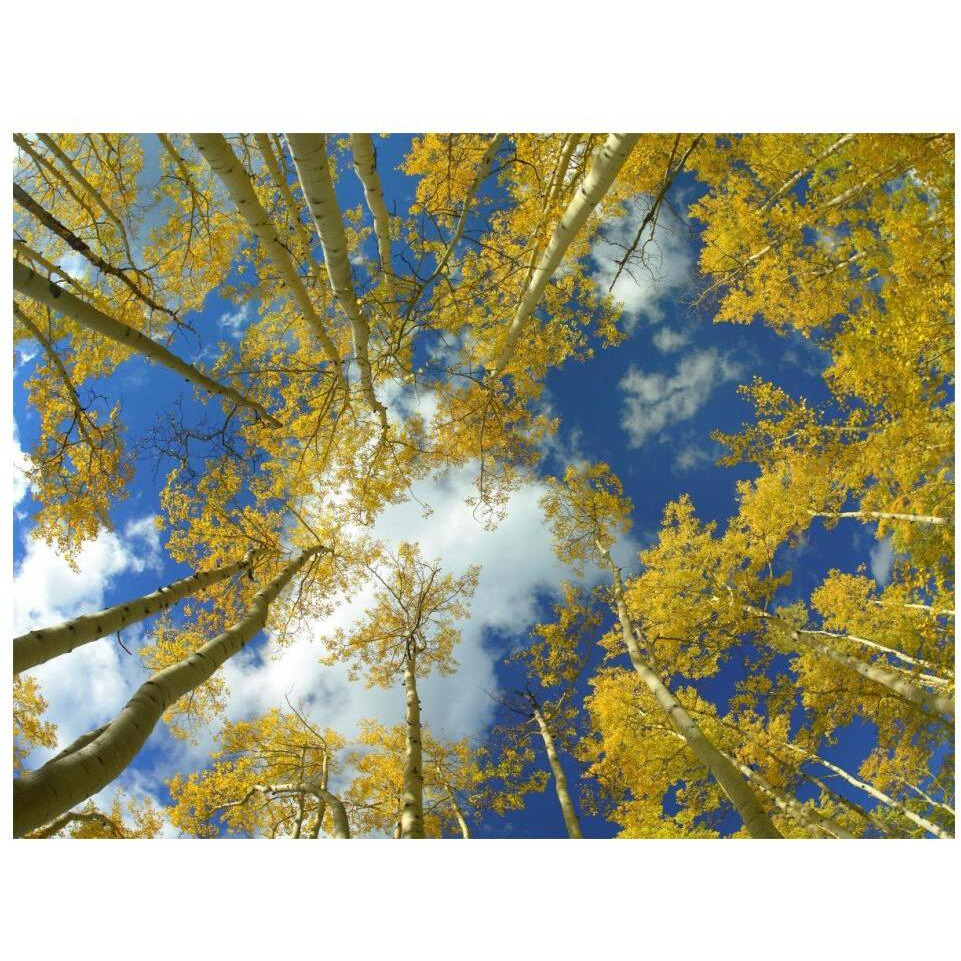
x,y
413,616
558,650
29,729
585,512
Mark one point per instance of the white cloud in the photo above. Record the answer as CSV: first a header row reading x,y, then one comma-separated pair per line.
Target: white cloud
x,y
690,457
640,288
89,685
517,562
667,340
235,322
47,590
882,561
655,401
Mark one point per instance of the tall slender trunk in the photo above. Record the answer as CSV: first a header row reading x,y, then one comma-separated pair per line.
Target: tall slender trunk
x,y
455,806
365,164
884,515
599,179
791,806
81,247
863,813
899,655
412,811
90,190
43,290
44,644
270,160
739,792
936,703
571,820
806,169
339,814
226,165
885,799
310,158
96,758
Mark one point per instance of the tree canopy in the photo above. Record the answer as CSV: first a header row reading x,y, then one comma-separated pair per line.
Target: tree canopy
x,y
240,358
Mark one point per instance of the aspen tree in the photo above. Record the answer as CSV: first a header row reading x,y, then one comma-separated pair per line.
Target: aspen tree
x,y
96,758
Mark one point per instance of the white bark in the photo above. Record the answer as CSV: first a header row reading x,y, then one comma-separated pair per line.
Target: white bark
x,y
76,243
884,515
899,655
44,644
45,291
96,758
804,171
225,164
571,821
936,703
599,179
310,159
270,160
874,792
792,807
412,810
739,792
90,190
365,164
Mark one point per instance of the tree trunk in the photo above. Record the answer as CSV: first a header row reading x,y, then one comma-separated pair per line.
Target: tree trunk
x,y
883,515
45,291
95,759
365,164
936,703
804,171
225,164
599,179
90,190
76,243
741,795
44,644
899,655
791,806
412,812
338,813
310,158
917,819
560,778
270,159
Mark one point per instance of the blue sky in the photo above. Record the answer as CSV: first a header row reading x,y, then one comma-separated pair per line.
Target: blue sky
x,y
647,407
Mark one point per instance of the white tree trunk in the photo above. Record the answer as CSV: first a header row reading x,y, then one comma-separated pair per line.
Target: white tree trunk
x,y
81,247
226,165
45,291
599,179
44,644
739,792
412,810
885,799
571,820
270,160
365,164
483,172
310,158
89,189
96,758
884,515
936,703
